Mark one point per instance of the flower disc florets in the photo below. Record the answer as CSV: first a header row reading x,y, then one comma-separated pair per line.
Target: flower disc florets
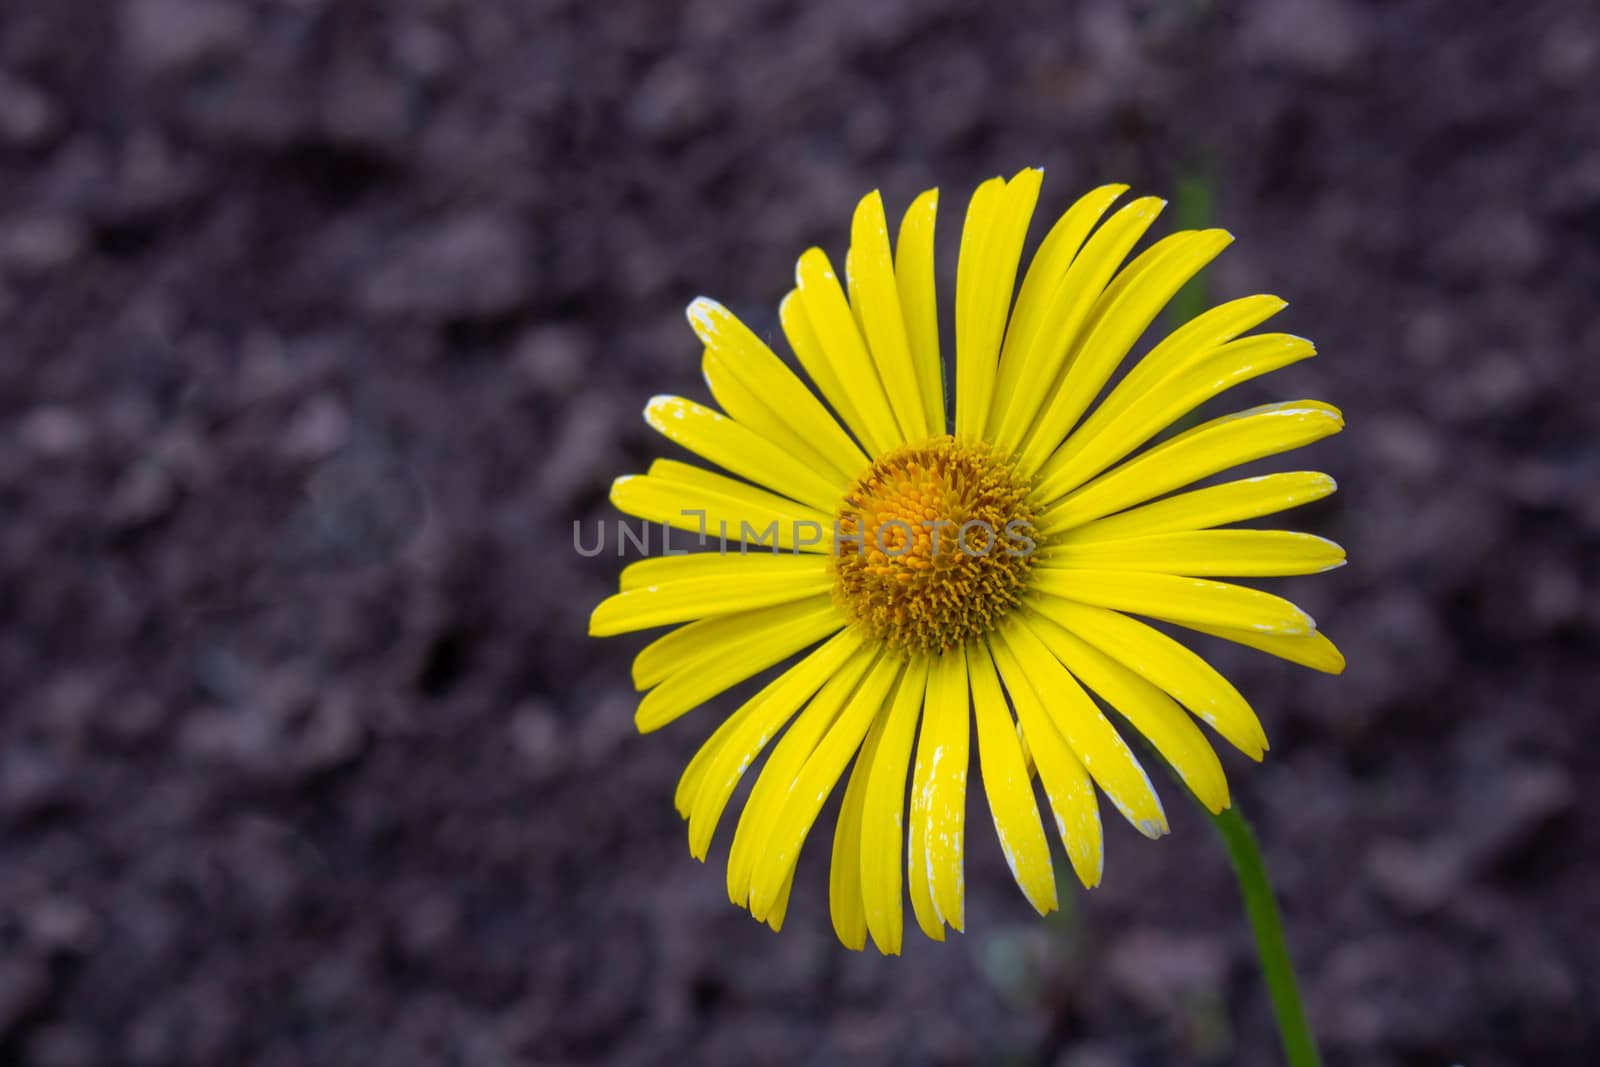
x,y
935,542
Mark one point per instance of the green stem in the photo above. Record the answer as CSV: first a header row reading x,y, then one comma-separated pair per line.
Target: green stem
x,y
1299,1047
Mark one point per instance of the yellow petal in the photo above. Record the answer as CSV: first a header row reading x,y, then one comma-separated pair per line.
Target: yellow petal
x,y
1067,310
1198,509
982,210
731,567
986,275
1147,709
1205,553
667,654
1116,429
780,907
762,374
883,821
661,605
1191,341
694,775
1123,312
876,301
1167,596
736,448
772,786
939,792
702,678
845,903
717,769
1168,664
1056,253
750,409
704,503
1198,453
1008,788
1312,650
808,349
1086,729
828,312
913,276
1066,783
815,780
918,872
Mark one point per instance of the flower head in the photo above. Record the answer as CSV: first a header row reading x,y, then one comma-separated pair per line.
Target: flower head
x,y
935,573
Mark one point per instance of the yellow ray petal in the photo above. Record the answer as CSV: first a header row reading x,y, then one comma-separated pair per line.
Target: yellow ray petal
x,y
698,680
876,300
918,873
939,792
732,567
773,785
824,658
818,364
661,605
1066,783
1086,729
986,276
1066,311
1147,709
1123,312
780,907
1199,509
1205,553
1169,665
1167,596
694,775
710,504
733,447
762,374
1208,448
1055,255
913,276
1116,429
1312,650
815,780
751,410
982,210
1008,788
828,312
883,821
746,732
845,901
1192,340
705,638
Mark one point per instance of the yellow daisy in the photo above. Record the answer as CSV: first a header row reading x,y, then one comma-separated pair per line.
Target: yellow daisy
x,y
936,572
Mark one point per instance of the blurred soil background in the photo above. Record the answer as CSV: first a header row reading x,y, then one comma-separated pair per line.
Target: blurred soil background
x,y
324,319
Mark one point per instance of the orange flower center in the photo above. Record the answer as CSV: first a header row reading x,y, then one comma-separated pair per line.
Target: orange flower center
x,y
935,542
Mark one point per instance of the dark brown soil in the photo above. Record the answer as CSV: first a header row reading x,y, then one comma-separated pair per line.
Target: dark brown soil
x,y
324,319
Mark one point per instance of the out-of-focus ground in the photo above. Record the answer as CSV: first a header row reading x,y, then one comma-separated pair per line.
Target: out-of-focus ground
x,y
324,319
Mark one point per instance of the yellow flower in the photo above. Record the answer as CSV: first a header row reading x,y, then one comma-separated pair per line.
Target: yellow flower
x,y
983,569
